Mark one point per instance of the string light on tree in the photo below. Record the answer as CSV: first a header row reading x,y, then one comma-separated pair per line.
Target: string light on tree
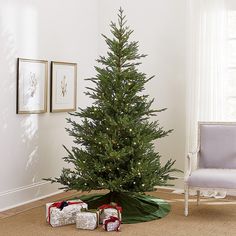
x,y
117,79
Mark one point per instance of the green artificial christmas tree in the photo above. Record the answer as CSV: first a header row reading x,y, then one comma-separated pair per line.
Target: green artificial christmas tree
x,y
114,146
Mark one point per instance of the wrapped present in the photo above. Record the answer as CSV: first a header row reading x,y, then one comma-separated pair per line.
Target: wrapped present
x,y
107,210
87,219
112,223
63,213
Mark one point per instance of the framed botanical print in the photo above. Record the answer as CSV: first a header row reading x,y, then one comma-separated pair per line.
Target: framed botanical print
x,y
63,86
32,80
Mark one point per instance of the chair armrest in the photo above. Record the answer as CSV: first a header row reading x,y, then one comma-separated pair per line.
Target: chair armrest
x,y
194,152
190,157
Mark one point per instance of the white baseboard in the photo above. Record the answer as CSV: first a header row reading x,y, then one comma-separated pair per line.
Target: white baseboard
x,y
26,194
36,191
170,188
231,193
181,190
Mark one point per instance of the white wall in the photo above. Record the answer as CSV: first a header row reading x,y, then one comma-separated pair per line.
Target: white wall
x,y
31,145
160,28
69,30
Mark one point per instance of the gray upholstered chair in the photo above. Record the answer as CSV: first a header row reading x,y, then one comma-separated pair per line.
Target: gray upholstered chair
x,y
216,160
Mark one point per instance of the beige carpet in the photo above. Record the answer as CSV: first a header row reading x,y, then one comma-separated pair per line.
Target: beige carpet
x,y
212,217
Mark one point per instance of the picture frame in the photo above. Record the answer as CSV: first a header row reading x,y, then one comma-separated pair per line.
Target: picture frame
x,y
32,85
63,89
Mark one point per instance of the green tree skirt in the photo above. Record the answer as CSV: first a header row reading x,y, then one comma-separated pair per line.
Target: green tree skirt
x,y
136,207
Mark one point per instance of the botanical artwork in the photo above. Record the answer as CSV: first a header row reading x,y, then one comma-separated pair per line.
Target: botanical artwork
x,y
62,78
63,86
32,86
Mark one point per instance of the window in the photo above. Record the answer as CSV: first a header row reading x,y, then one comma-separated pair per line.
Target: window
x,y
230,85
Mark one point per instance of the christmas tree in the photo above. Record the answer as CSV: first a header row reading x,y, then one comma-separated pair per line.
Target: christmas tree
x,y
114,146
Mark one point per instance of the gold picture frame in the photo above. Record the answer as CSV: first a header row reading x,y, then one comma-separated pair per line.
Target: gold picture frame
x,y
63,86
32,85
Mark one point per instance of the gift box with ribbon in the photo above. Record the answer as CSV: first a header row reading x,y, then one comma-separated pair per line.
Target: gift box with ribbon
x,y
87,219
64,212
107,210
112,223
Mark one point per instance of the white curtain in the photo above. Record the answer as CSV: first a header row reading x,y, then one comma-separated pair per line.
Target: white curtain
x,y
206,65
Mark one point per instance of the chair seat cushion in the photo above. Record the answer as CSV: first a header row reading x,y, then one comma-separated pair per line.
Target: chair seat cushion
x,y
213,178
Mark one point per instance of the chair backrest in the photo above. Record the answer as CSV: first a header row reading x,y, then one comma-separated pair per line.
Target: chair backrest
x,y
217,142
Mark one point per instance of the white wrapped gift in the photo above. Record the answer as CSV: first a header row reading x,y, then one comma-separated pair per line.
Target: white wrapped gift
x,y
107,210
87,220
111,224
57,216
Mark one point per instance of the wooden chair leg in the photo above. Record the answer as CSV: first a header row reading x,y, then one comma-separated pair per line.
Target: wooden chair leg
x,y
186,200
198,197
